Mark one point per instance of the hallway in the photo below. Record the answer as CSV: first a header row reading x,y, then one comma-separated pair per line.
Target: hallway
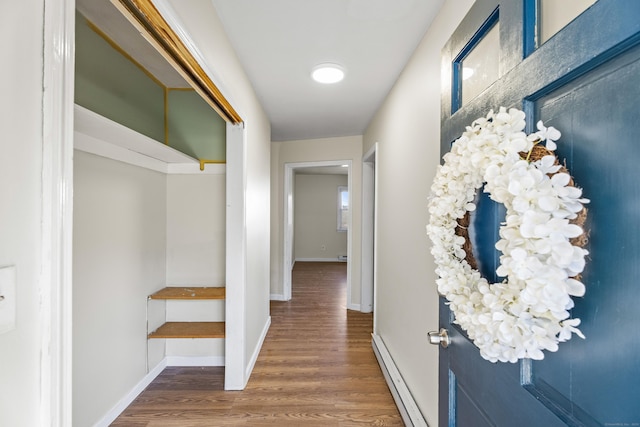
x,y
316,368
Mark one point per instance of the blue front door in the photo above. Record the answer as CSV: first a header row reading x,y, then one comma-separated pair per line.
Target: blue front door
x,y
585,81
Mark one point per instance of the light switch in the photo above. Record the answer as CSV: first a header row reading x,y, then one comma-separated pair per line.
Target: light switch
x,y
7,298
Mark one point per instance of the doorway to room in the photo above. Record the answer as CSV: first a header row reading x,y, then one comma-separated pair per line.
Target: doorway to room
x,y
334,167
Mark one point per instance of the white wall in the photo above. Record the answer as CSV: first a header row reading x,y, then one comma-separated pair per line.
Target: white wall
x,y
316,217
200,21
136,230
196,230
119,254
314,150
196,257
407,130
21,145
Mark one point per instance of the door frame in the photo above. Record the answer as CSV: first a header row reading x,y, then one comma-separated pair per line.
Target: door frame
x,y
236,374
56,284
287,226
369,226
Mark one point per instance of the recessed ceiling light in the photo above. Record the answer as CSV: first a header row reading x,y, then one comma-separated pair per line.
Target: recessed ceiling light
x,y
327,73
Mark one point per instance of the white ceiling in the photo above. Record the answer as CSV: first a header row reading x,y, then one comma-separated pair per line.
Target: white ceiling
x,y
278,43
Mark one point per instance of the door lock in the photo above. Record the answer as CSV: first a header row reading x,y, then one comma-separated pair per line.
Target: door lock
x,y
439,337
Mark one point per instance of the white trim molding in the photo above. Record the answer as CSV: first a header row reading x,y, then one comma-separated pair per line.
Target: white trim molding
x,y
411,415
256,350
236,259
126,400
287,226
55,281
369,230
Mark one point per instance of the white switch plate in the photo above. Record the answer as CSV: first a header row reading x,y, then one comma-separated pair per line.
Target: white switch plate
x,y
7,298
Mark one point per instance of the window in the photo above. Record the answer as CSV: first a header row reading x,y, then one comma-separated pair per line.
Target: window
x,y
475,67
553,15
343,208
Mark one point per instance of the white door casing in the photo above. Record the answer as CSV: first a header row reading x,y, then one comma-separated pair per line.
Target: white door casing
x,y
57,214
289,170
369,198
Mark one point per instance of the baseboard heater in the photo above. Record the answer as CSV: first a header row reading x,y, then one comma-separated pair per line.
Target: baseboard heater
x,y
407,406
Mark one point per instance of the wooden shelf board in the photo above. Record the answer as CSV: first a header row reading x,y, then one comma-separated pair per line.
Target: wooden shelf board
x,y
189,330
189,293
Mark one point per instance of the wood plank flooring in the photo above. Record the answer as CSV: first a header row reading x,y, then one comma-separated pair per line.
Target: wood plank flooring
x,y
316,368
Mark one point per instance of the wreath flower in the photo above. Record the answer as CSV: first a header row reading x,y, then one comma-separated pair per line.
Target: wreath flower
x,y
541,261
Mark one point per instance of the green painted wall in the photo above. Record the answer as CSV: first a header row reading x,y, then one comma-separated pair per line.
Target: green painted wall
x,y
114,87
111,85
194,128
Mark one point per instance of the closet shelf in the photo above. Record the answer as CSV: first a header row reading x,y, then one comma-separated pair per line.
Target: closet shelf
x,y
189,330
189,293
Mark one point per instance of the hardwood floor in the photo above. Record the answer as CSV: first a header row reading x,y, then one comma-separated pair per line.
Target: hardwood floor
x,y
316,368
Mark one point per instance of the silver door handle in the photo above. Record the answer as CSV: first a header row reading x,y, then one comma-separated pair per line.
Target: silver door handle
x,y
439,337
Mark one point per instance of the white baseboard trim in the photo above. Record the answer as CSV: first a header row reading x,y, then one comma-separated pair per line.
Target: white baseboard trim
x,y
195,360
256,350
318,260
404,400
114,412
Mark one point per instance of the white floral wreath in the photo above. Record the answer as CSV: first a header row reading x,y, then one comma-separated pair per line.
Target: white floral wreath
x,y
528,311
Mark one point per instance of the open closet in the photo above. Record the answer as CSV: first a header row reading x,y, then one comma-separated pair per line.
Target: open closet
x,y
149,245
